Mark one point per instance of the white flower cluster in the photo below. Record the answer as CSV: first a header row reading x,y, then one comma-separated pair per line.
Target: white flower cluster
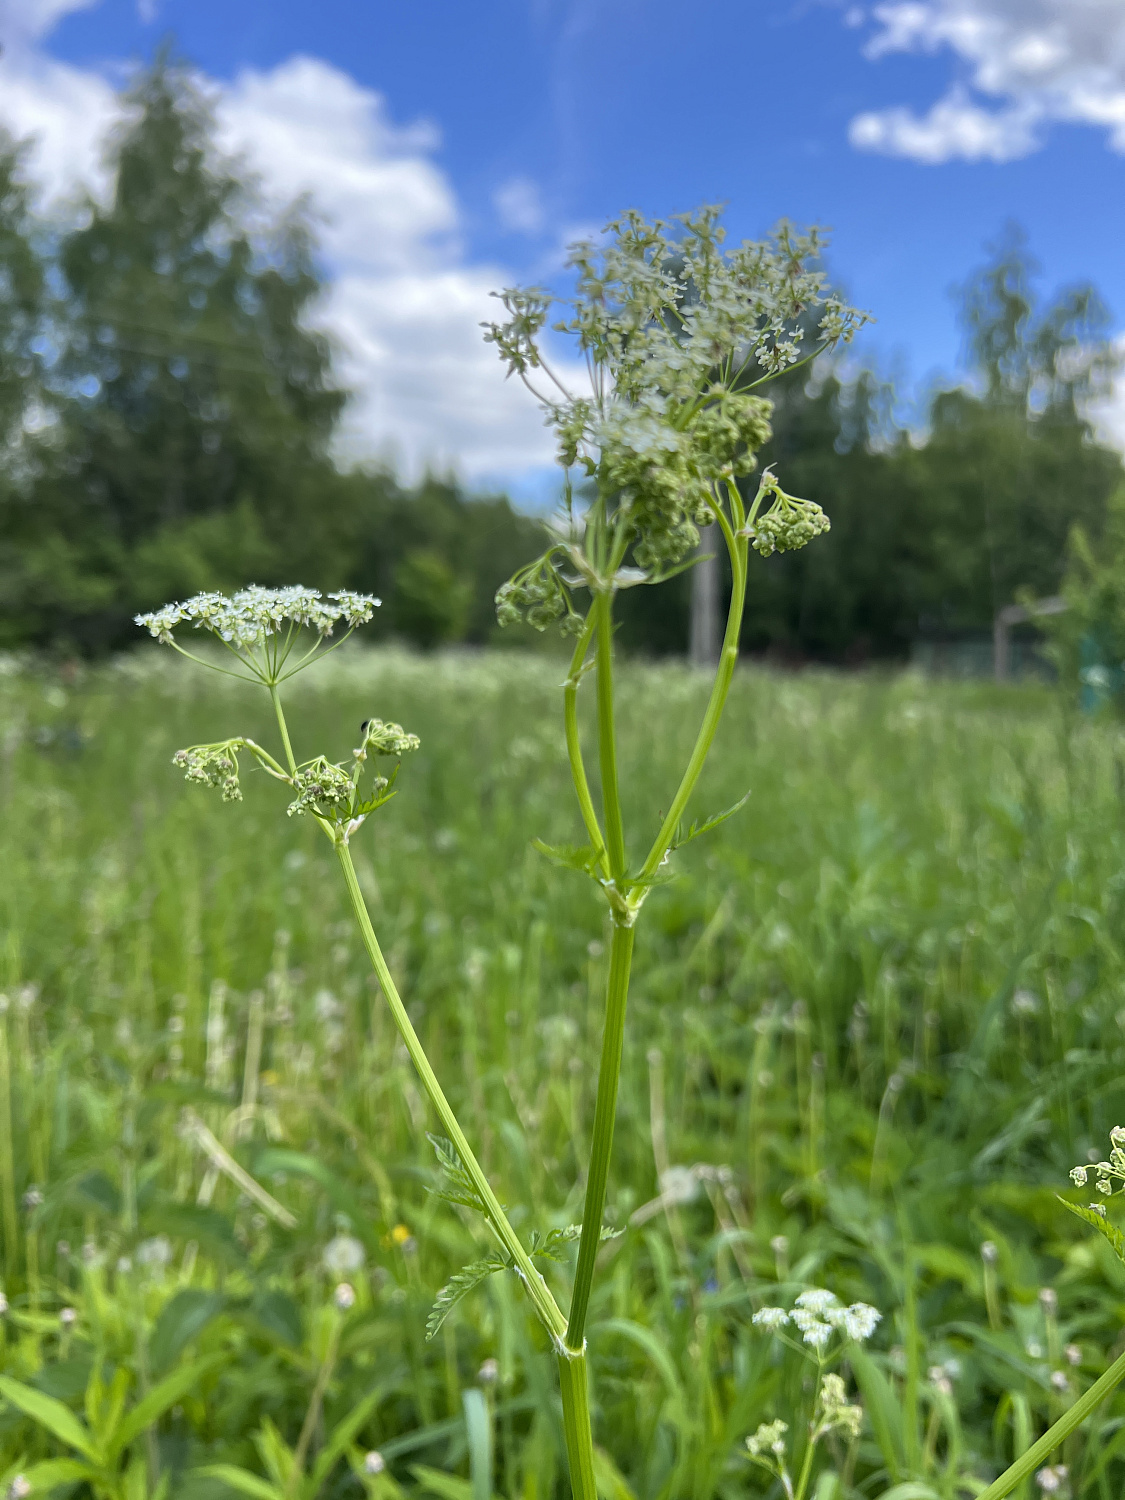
x,y
818,1314
1105,1171
248,618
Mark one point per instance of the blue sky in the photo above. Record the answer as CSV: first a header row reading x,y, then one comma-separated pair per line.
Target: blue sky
x,y
916,130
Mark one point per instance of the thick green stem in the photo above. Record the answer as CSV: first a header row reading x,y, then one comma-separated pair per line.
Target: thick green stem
x,y
607,738
1039,1452
574,742
545,1304
605,1111
573,1383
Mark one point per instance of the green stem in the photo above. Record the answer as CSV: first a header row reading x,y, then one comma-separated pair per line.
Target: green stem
x,y
607,737
574,742
1039,1452
545,1304
736,546
576,1424
806,1468
605,1111
275,699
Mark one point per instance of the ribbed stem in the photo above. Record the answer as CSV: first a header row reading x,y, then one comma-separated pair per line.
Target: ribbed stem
x,y
573,1382
605,1113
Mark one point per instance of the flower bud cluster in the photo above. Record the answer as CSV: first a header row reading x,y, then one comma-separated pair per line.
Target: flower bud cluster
x,y
250,616
789,523
380,738
1105,1172
322,788
837,1413
538,596
212,765
769,1438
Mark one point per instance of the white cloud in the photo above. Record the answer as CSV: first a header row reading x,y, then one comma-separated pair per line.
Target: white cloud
x,y
518,204
26,21
954,127
1041,61
402,303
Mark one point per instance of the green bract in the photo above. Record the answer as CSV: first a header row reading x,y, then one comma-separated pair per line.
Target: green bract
x,y
676,335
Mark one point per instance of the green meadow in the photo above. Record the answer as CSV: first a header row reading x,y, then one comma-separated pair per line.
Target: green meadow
x,y
876,1018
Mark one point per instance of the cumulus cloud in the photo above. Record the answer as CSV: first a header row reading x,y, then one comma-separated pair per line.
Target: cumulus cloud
x,y
1035,62
402,302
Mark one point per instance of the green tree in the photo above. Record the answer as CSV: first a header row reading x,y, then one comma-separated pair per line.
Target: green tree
x,y
195,410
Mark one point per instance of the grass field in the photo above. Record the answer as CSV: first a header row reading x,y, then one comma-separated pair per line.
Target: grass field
x,y
880,1014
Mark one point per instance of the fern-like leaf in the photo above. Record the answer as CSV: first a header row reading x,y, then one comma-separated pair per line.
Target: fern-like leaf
x,y
457,1186
552,1245
581,857
460,1285
698,828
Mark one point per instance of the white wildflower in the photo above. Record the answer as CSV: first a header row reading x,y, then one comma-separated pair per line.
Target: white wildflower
x,y
771,1318
489,1372
1079,1176
818,1301
374,1462
860,1320
343,1255
19,1488
154,1253
1052,1479
815,1333
344,1296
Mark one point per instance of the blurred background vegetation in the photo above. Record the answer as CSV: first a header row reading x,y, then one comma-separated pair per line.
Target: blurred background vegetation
x,y
167,420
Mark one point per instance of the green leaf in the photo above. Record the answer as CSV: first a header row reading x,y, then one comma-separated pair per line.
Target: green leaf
x,y
446,1486
611,1483
459,1286
457,1186
1107,1230
56,1471
189,1221
240,1479
698,828
159,1399
882,1408
181,1318
58,1419
478,1430
581,857
280,1316
97,1190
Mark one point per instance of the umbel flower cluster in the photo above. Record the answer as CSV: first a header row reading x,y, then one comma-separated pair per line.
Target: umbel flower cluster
x,y
818,1314
676,334
262,627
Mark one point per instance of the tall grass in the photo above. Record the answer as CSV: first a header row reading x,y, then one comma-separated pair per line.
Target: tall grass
x,y
883,1013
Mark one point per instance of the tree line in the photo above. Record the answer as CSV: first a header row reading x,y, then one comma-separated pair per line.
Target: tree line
x,y
167,415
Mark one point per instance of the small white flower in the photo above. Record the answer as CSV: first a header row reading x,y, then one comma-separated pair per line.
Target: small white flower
x,y
19,1488
1049,1301
344,1296
3,1304
1073,1354
1052,1479
769,1438
818,1301
374,1462
1060,1380
489,1372
989,1253
860,1321
679,1185
813,1331
779,1244
343,1255
68,1317
155,1253
771,1318
1079,1176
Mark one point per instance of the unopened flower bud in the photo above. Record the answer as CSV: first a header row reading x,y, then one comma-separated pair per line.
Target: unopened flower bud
x,y
344,1296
